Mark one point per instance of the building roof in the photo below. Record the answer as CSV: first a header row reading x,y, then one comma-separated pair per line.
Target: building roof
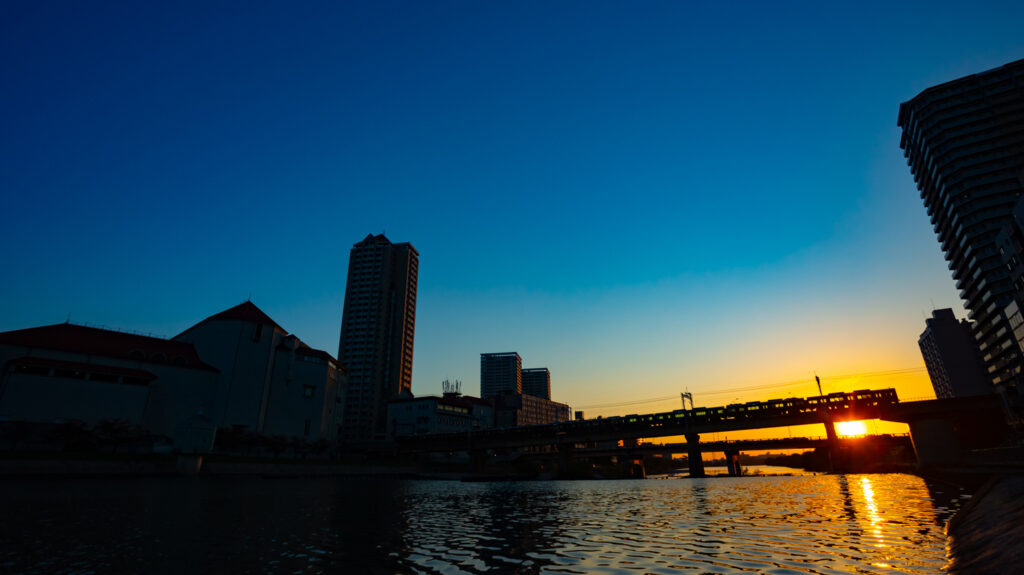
x,y
304,349
371,239
381,239
245,312
905,107
85,340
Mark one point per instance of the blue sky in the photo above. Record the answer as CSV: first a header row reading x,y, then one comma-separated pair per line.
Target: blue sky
x,y
642,197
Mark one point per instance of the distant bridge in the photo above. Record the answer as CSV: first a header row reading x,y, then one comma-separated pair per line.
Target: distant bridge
x,y
743,445
839,449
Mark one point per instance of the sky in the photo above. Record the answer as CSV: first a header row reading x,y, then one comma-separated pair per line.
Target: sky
x,y
645,198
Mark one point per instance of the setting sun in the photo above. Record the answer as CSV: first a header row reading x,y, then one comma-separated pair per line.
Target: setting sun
x,y
851,428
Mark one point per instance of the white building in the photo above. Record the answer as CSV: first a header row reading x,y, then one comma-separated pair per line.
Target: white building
x,y
270,382
236,368
66,371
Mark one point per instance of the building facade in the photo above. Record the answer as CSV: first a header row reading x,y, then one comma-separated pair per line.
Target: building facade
x,y
511,410
500,374
72,372
237,368
964,142
270,381
450,413
537,382
377,332
949,353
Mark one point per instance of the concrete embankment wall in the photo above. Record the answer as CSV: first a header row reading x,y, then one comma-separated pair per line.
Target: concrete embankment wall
x,y
986,535
172,466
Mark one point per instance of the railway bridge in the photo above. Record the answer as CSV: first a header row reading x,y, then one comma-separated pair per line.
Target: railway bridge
x,y
937,427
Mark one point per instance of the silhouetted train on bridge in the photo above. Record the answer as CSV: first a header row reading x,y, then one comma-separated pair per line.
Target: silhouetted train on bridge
x,y
840,401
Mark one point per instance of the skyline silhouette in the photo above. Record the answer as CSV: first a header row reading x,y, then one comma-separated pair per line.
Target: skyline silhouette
x,y
639,201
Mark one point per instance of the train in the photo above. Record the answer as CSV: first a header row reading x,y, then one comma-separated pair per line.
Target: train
x,y
840,401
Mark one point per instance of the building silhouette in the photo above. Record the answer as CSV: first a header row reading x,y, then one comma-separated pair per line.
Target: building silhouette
x,y
951,357
75,372
513,410
504,382
377,330
450,413
964,142
500,373
237,368
537,382
270,381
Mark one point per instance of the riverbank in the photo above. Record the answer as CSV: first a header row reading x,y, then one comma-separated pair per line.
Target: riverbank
x,y
985,535
173,465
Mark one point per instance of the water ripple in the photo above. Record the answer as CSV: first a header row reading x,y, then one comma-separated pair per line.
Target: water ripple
x,y
779,525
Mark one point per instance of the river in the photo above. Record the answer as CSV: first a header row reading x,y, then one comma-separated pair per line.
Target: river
x,y
783,524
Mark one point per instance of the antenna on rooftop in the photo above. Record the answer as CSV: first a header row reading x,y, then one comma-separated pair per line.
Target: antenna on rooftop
x,y
451,388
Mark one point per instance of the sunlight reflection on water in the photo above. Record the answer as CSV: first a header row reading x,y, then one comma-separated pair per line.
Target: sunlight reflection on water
x,y
799,524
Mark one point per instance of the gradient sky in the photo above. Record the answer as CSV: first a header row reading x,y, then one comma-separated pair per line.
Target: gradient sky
x,y
644,197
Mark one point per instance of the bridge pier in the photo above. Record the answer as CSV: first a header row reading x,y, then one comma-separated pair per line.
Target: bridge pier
x,y
637,470
935,442
836,457
694,456
478,460
732,462
565,451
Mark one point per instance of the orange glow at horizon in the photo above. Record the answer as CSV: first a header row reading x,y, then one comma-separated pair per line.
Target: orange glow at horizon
x,y
851,428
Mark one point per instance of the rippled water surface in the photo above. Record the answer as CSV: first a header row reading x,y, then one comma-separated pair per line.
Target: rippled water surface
x,y
801,524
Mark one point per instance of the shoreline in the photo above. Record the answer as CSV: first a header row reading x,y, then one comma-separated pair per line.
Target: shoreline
x,y
985,534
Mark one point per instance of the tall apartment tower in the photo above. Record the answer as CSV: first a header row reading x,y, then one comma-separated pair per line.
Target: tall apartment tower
x,y
964,142
377,329
951,357
537,382
500,374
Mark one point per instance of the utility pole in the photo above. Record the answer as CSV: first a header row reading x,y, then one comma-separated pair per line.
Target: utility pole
x,y
687,395
818,379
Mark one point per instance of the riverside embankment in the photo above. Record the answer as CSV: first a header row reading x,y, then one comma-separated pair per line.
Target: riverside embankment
x,y
985,535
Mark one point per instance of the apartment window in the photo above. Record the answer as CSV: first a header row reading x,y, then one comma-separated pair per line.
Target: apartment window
x,y
307,390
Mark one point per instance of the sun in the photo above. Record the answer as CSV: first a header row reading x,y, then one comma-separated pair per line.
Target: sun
x,y
851,428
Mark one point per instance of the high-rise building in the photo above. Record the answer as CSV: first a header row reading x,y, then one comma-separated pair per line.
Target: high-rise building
x,y
500,373
951,357
537,382
377,329
964,141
